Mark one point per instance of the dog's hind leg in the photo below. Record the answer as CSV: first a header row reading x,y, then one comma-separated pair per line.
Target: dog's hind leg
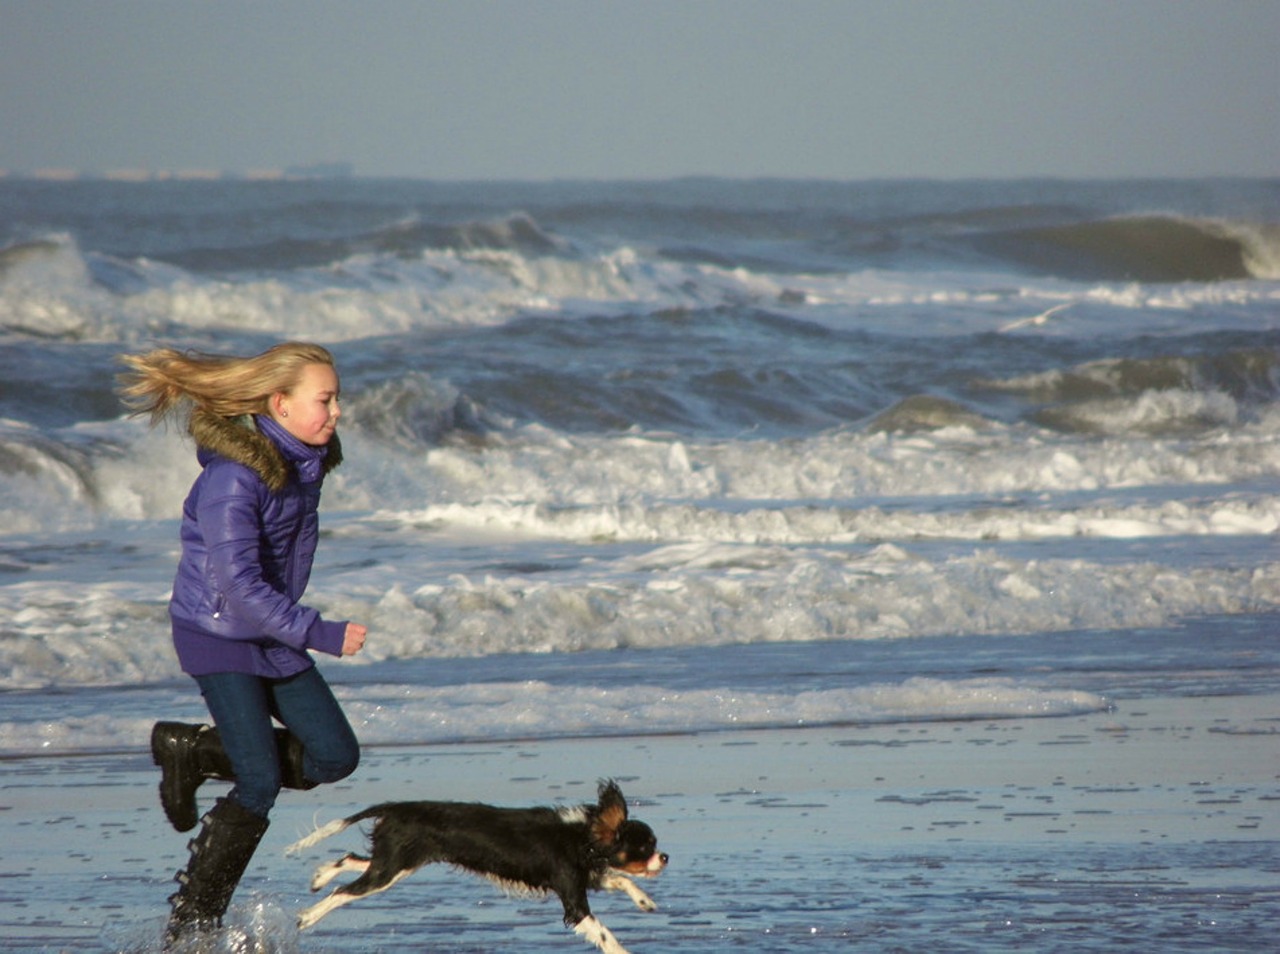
x,y
348,862
617,882
311,915
345,895
591,929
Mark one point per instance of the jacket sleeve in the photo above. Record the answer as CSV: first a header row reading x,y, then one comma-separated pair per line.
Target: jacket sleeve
x,y
229,517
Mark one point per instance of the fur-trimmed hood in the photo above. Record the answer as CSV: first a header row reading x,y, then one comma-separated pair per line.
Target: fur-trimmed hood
x,y
238,439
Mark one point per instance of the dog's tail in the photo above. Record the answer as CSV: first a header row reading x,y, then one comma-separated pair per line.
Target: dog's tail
x,y
331,829
320,834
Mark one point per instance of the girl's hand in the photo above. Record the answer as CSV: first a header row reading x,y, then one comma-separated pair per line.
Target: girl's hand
x,y
353,640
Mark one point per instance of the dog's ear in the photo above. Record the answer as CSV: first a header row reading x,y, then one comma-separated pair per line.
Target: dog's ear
x,y
610,814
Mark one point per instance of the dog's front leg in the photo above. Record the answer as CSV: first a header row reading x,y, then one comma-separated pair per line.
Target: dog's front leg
x,y
617,882
577,914
592,930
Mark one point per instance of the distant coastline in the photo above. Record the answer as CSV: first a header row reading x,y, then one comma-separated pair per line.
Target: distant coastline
x,y
319,170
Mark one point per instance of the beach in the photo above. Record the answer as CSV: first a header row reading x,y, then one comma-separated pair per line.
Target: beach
x,y
1152,826
906,549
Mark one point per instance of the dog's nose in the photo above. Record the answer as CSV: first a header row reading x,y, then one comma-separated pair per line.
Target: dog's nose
x,y
664,856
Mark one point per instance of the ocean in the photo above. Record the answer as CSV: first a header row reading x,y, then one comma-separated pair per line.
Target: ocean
x,y
642,458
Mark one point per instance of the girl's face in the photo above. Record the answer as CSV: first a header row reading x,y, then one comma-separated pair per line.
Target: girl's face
x,y
310,410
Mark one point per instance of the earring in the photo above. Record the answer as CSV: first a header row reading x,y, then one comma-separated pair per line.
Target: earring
x,y
284,413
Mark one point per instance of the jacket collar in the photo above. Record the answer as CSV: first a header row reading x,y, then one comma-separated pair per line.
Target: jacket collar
x,y
239,439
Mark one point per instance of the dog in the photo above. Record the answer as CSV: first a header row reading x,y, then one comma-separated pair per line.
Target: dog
x,y
565,851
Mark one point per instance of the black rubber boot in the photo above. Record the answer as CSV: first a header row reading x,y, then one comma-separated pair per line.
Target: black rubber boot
x,y
219,856
187,756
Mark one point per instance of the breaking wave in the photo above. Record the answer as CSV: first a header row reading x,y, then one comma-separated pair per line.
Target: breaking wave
x,y
1151,248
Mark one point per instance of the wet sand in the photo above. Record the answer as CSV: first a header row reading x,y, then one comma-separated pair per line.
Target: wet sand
x,y
1160,818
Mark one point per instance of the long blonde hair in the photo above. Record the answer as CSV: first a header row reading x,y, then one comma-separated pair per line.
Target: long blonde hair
x,y
165,381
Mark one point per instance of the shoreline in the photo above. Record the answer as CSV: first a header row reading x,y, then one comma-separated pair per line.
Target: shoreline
x,y
955,805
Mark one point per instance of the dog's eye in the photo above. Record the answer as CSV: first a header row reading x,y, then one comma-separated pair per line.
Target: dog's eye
x,y
641,847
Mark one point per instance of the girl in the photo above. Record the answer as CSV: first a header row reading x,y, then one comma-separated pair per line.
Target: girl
x,y
264,434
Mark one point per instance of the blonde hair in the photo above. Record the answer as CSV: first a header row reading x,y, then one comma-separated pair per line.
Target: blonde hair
x,y
163,382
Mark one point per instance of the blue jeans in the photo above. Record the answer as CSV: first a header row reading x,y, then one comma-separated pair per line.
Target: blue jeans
x,y
243,705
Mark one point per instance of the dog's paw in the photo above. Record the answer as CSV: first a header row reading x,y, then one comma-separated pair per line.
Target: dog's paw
x,y
326,873
642,900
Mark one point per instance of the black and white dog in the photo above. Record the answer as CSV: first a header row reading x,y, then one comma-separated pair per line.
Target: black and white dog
x,y
567,851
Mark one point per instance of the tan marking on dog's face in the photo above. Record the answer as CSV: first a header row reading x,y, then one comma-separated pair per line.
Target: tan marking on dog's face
x,y
644,867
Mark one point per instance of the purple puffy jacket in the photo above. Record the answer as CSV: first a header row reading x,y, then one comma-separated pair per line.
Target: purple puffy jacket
x,y
249,532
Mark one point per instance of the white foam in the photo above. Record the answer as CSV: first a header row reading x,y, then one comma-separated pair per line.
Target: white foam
x,y
446,583
510,479
51,292
532,709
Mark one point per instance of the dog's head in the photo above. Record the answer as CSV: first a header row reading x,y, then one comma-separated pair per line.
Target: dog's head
x,y
628,846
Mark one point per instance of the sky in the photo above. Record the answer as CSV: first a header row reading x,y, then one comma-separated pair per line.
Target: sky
x,y
649,89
